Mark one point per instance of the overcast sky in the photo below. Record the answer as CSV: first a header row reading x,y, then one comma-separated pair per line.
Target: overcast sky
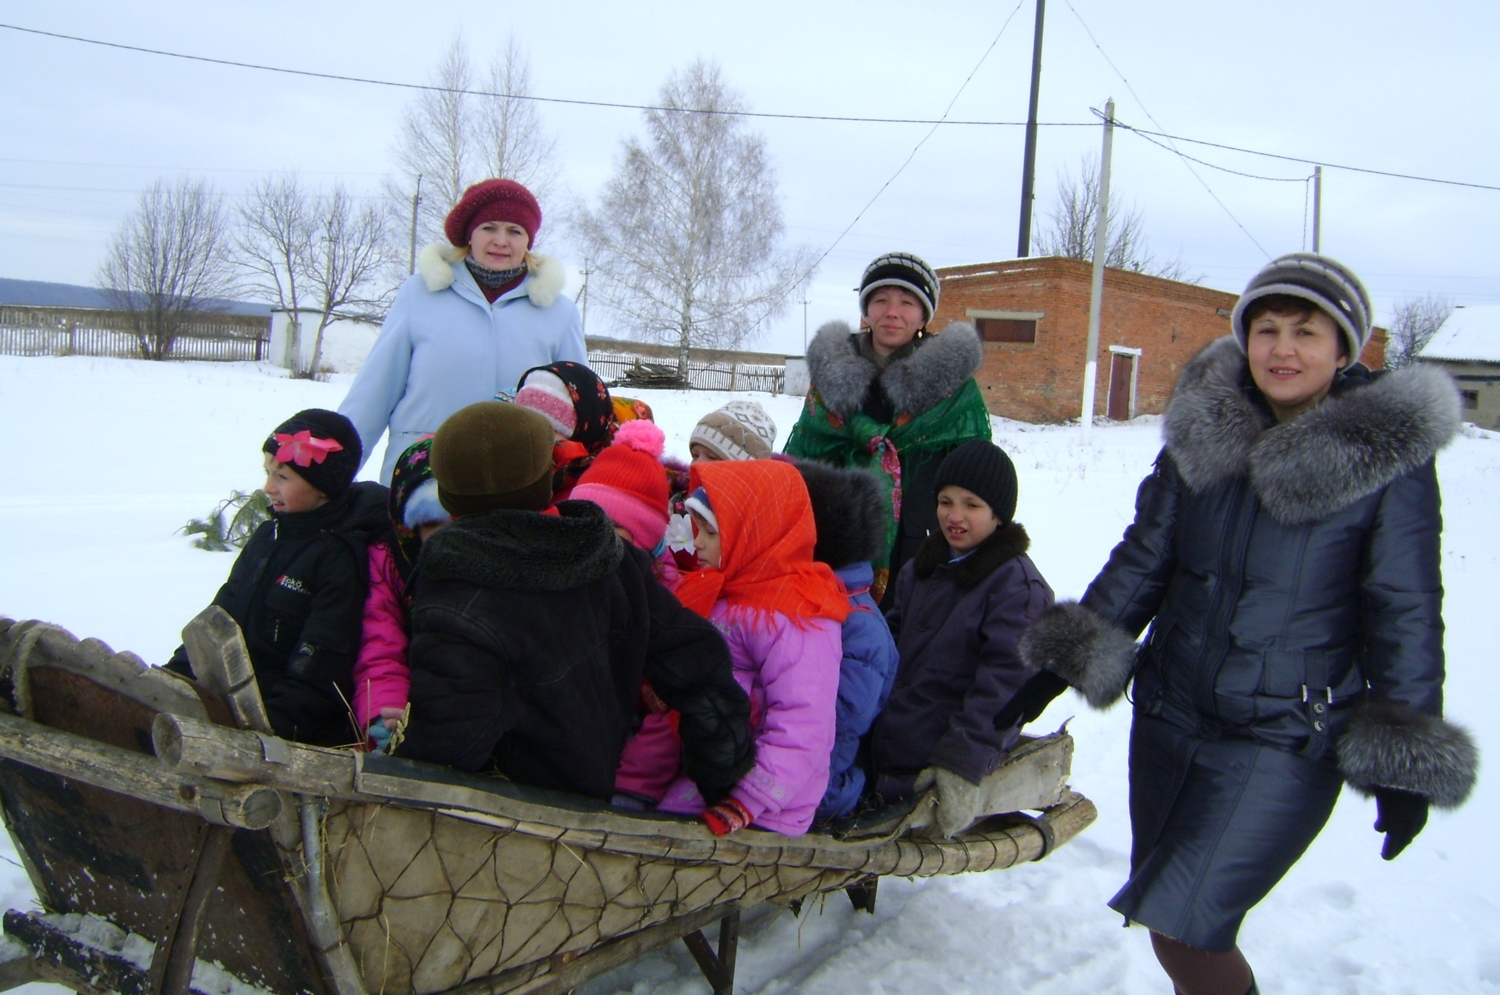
x,y
1401,87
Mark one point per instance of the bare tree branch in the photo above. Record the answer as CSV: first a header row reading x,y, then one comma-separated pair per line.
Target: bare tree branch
x,y
275,239
454,139
1070,228
1415,321
686,240
167,259
351,252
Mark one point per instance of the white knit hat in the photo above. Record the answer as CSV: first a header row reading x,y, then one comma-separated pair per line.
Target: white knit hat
x,y
545,393
738,430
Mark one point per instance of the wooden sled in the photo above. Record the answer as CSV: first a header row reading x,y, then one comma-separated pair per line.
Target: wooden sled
x,y
177,846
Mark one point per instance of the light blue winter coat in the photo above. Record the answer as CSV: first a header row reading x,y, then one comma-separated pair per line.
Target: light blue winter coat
x,y
443,346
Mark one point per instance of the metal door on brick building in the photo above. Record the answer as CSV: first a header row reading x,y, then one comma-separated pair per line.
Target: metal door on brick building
x,y
1122,378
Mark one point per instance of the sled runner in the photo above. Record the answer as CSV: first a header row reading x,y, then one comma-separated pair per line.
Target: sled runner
x,y
177,846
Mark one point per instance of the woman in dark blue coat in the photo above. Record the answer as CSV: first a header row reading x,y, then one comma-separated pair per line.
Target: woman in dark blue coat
x,y
1285,555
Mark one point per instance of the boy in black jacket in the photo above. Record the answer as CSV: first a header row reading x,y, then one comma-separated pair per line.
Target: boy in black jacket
x,y
298,588
532,627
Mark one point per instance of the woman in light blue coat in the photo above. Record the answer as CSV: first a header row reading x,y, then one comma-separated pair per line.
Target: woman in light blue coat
x,y
476,315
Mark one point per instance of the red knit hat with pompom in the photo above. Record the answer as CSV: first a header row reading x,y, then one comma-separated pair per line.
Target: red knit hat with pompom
x,y
493,200
629,482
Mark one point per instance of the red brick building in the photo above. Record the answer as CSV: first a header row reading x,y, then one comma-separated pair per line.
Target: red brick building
x,y
1033,315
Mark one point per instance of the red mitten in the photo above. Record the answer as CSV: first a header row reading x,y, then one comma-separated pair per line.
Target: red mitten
x,y
726,817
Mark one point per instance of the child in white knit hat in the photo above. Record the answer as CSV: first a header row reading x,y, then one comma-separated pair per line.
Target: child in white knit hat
x,y
738,430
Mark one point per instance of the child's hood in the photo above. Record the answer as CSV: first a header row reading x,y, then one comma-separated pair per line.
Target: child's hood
x,y
525,550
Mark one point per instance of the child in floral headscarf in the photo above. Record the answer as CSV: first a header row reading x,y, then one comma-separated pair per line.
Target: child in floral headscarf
x,y
583,417
781,614
381,675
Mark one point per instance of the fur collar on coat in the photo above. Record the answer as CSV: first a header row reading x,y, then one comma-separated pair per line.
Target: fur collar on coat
x,y
525,551
913,383
546,276
1366,433
848,510
1004,544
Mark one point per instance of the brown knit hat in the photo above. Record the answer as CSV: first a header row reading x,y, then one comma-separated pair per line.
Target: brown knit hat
x,y
493,455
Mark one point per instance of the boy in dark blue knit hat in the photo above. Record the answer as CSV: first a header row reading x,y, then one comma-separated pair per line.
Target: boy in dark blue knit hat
x,y
298,588
962,604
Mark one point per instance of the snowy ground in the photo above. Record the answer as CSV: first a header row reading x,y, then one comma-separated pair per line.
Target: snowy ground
x,y
110,457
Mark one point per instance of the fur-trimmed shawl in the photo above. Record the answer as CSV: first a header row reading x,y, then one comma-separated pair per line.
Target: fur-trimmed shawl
x,y
546,277
913,383
524,551
1354,442
1006,543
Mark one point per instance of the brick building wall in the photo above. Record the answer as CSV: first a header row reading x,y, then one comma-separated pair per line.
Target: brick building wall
x,y
1155,326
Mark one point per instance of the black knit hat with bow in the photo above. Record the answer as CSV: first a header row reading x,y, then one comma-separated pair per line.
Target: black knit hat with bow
x,y
320,446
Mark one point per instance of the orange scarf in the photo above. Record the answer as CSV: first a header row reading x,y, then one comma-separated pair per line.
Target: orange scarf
x,y
767,535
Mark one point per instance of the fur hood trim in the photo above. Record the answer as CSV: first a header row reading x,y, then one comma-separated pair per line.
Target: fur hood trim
x,y
1366,433
1004,544
848,510
525,551
545,281
1076,644
1391,745
913,383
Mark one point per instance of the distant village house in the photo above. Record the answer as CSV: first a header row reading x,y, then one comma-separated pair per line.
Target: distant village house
x,y
1467,345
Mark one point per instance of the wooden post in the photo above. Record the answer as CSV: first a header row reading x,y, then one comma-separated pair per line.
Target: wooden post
x,y
221,661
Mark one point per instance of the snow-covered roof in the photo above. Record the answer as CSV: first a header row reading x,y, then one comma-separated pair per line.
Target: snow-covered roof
x,y
1471,334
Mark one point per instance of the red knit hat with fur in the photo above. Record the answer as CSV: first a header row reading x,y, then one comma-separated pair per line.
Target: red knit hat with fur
x,y
493,200
629,482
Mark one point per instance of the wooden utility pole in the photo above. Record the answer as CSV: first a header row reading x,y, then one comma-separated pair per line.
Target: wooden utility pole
x,y
804,302
1028,166
1317,208
411,255
1096,287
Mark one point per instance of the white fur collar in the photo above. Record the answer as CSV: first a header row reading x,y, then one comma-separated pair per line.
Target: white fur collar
x,y
544,283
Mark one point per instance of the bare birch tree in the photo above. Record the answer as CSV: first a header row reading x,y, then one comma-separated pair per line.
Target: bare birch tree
x,y
465,132
275,238
167,260
1413,324
1069,231
319,253
686,242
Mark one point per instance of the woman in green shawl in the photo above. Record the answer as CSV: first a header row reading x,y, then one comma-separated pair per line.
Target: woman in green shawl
x,y
893,398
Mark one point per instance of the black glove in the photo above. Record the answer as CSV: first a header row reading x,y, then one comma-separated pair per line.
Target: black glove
x,y
1032,700
1401,816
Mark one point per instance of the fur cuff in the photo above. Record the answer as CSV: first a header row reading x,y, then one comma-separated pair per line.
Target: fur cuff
x,y
1097,658
1391,745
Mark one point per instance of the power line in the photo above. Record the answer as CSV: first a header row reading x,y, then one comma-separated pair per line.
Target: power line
x,y
915,149
526,96
193,169
751,114
1312,162
1142,104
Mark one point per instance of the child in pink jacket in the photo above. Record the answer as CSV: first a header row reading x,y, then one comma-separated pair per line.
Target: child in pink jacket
x,y
781,614
381,675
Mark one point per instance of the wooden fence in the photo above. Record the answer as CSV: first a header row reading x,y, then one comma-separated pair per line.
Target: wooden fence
x,y
44,331
701,376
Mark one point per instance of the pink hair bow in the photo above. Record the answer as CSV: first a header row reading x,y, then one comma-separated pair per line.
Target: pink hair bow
x,y
303,449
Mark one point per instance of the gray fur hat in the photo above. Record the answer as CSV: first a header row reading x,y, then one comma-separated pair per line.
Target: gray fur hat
x,y
1324,282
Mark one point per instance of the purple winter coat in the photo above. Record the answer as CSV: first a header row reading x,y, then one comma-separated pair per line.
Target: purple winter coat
x,y
792,677
957,626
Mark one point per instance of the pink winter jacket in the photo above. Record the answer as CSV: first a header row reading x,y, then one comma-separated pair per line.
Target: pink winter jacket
x,y
792,677
381,675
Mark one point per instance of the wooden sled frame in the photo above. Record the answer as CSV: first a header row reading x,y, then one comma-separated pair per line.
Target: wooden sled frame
x,y
233,780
